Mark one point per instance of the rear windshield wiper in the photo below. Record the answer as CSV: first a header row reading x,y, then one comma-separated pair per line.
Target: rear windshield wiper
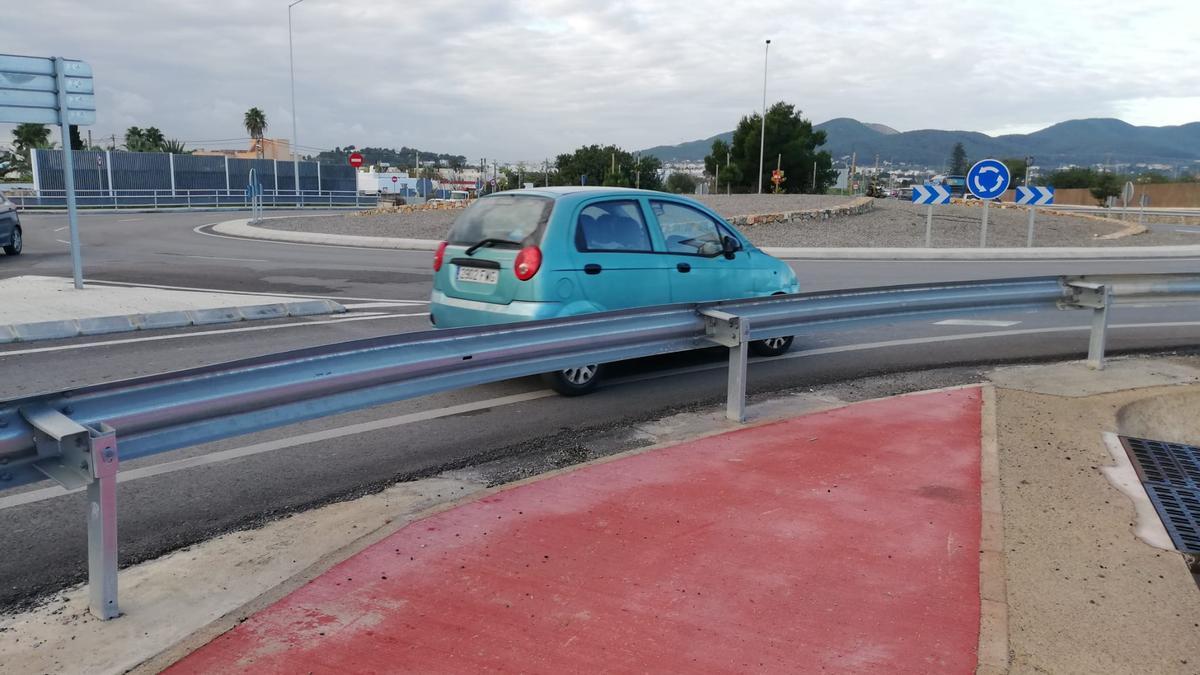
x,y
490,242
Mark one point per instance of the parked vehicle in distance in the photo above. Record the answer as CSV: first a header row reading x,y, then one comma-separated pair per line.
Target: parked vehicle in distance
x,y
956,184
552,252
10,227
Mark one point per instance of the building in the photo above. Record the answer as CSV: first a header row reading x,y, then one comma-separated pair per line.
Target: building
x,y
272,148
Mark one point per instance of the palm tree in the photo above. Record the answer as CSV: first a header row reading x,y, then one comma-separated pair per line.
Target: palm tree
x,y
175,147
154,139
26,138
135,139
255,121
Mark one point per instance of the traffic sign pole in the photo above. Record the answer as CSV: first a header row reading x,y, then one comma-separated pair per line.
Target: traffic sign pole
x,y
1029,235
64,112
983,230
929,227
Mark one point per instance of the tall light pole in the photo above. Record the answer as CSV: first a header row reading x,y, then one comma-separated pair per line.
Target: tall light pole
x,y
292,68
762,134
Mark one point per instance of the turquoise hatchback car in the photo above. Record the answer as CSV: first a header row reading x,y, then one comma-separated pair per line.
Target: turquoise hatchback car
x,y
544,253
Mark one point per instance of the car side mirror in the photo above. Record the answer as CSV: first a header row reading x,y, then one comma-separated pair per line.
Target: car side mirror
x,y
730,247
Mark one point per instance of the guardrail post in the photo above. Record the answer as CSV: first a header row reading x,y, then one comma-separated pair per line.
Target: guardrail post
x,y
77,456
102,524
730,331
1096,297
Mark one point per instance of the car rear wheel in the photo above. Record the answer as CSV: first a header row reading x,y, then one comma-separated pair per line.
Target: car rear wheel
x,y
575,381
771,346
15,247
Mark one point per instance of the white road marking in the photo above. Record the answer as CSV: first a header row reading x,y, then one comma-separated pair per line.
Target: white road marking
x,y
60,229
283,444
177,336
215,257
131,220
975,322
336,298
399,420
1188,230
379,305
63,242
865,346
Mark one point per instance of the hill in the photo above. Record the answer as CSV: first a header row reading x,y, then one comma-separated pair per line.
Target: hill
x,y
1086,141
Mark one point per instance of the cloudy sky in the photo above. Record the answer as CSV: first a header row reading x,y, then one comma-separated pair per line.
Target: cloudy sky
x,y
526,80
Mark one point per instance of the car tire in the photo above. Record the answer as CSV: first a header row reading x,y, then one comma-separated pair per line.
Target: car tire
x,y
17,243
771,346
574,381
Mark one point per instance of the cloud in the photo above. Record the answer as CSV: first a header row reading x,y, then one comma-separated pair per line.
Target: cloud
x,y
505,80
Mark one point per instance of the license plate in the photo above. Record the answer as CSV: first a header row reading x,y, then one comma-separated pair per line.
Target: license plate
x,y
479,275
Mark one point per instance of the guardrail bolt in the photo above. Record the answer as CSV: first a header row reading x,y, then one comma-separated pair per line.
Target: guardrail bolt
x,y
108,454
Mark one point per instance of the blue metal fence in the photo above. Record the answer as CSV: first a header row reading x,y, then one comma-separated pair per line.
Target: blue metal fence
x,y
126,179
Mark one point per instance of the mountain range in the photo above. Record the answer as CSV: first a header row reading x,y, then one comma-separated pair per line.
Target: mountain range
x,y
1079,142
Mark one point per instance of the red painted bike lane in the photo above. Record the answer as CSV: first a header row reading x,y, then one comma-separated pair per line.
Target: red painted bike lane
x,y
846,540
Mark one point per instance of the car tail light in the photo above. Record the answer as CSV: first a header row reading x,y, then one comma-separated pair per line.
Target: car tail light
x,y
528,262
438,256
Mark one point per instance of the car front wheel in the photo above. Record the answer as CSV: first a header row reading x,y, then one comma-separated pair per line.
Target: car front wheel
x,y
15,247
771,346
575,381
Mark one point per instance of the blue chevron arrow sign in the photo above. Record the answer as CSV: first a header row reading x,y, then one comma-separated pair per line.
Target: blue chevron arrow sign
x,y
1035,195
930,194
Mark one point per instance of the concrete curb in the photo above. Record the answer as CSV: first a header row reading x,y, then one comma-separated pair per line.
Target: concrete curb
x,y
1036,253
243,229
69,328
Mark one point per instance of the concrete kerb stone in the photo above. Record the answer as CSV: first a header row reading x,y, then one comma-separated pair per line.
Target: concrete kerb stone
x,y
104,325
242,229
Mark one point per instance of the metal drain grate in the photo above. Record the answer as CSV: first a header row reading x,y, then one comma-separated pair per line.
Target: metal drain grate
x,y
1171,474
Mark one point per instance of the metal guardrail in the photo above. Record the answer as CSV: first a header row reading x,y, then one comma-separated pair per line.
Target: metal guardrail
x,y
72,436
34,200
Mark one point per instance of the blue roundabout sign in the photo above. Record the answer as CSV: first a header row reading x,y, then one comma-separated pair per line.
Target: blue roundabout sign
x,y
988,179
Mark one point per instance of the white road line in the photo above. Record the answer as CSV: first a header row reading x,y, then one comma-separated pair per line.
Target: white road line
x,y
379,305
975,322
63,242
33,496
215,257
131,220
336,298
1188,230
178,336
282,444
60,229
820,351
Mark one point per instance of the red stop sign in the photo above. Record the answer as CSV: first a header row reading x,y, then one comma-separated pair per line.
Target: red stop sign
x,y
356,160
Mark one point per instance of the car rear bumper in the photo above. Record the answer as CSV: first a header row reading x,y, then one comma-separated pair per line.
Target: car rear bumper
x,y
449,312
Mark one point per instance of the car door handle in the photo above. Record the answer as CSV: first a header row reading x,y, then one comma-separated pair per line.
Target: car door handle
x,y
592,268
684,267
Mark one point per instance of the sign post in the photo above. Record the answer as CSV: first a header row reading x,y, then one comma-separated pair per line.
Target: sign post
x,y
1126,197
988,179
58,91
930,194
1034,196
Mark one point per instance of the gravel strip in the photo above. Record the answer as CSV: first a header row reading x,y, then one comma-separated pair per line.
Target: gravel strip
x,y
892,224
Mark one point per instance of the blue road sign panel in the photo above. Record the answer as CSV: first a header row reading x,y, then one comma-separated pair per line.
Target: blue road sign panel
x,y
29,91
930,194
988,179
1035,195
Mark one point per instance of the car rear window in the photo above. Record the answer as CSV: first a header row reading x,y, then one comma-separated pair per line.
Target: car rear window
x,y
515,218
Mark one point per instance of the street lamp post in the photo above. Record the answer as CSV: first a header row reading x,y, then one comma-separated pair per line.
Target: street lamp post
x,y
292,69
762,134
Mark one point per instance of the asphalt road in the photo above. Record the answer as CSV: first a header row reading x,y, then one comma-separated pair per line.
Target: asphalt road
x,y
517,427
